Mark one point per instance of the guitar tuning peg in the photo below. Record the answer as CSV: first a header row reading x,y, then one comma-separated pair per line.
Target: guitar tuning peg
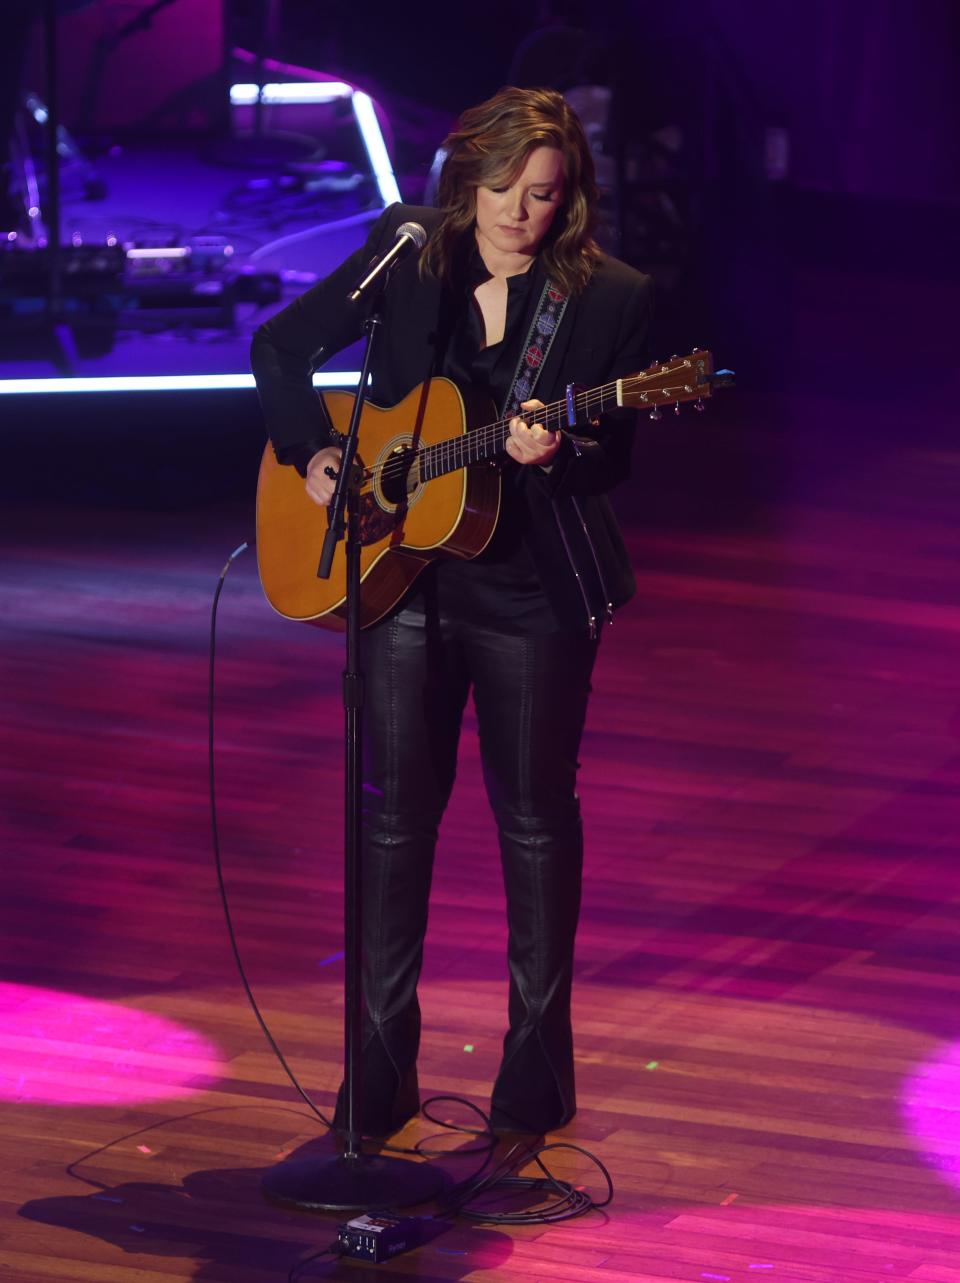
x,y
655,413
676,408
698,405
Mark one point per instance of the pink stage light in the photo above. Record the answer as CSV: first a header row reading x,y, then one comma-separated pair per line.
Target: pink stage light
x,y
61,1049
931,1109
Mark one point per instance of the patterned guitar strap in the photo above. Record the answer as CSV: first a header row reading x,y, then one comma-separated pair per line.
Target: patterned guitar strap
x,y
533,356
549,314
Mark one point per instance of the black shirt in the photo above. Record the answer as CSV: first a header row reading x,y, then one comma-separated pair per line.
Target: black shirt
x,y
500,588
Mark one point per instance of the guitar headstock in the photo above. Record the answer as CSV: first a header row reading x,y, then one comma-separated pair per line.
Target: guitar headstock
x,y
682,378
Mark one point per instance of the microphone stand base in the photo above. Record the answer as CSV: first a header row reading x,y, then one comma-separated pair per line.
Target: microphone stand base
x,y
343,1182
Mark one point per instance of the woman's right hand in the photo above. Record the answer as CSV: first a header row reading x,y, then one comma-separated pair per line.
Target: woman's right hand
x,y
320,483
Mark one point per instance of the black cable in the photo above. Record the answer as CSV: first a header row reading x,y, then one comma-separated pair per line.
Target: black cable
x,y
216,850
485,1133
161,1122
570,1201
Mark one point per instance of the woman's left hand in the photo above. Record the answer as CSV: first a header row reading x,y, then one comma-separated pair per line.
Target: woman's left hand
x,y
533,443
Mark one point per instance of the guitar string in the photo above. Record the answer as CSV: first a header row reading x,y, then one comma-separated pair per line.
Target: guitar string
x,y
451,450
456,451
480,439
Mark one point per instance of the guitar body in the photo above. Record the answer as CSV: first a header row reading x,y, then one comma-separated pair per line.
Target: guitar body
x,y
404,523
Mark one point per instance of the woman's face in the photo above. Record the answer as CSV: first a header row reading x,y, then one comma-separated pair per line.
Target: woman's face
x,y
515,219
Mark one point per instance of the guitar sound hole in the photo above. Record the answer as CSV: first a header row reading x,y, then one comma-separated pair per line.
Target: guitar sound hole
x,y
395,481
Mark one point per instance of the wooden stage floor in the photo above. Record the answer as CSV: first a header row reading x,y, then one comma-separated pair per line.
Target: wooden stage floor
x,y
766,1012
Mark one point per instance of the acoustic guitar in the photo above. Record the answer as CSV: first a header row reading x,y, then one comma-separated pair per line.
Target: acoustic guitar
x,y
429,486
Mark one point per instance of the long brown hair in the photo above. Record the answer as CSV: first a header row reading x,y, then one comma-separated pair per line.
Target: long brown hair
x,y
489,148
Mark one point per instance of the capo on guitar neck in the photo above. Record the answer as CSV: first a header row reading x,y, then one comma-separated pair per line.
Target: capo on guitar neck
x,y
572,392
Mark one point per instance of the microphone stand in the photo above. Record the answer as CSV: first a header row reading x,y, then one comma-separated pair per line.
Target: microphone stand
x,y
351,1179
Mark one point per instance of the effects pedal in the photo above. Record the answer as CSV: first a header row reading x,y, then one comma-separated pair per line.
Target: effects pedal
x,y
378,1238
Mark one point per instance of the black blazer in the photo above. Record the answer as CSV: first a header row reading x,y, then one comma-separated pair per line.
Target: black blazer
x,y
603,336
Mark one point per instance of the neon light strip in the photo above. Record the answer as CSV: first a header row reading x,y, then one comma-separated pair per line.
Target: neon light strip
x,y
326,91
171,251
313,91
366,115
162,383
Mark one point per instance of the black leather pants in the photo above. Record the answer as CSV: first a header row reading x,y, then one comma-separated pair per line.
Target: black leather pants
x,y
531,698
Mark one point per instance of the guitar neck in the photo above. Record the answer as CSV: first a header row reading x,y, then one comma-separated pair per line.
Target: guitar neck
x,y
487,442
682,378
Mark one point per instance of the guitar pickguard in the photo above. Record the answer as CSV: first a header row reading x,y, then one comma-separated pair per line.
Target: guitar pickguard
x,y
375,523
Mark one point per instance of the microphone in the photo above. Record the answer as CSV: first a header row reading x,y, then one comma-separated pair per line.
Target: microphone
x,y
410,236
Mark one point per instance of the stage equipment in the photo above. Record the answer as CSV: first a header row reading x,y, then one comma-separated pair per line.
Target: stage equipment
x,y
131,286
79,288
30,155
380,1238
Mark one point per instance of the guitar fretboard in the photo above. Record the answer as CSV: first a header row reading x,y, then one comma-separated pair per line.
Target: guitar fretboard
x,y
487,442
681,379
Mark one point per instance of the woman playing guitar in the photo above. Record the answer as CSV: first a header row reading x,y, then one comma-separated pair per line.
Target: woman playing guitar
x,y
512,297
